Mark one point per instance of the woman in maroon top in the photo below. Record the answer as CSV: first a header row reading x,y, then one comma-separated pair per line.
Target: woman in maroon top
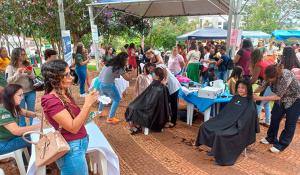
x,y
61,110
243,57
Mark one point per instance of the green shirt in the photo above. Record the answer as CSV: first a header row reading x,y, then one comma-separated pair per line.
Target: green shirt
x,y
78,59
6,118
37,59
263,49
3,81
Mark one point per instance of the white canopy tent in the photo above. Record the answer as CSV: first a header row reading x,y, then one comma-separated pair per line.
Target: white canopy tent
x,y
169,8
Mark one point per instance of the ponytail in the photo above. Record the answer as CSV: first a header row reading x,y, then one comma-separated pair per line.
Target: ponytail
x,y
273,71
271,45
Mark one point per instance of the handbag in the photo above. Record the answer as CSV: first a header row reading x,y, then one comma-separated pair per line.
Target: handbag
x,y
37,83
50,147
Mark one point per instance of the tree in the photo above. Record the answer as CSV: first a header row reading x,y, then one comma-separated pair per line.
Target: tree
x,y
269,15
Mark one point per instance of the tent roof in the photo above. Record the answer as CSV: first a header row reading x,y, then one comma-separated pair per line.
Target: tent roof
x,y
216,33
204,33
255,34
166,8
286,34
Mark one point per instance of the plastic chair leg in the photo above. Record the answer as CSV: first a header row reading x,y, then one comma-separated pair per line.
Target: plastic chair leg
x,y
20,162
103,161
245,152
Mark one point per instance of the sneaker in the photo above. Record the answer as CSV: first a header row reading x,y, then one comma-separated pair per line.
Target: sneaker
x,y
274,150
112,120
102,114
264,141
83,95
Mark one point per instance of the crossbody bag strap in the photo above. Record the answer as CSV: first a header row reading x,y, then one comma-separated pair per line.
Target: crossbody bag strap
x,y
42,124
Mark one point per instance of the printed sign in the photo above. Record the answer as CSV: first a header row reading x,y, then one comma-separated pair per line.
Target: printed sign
x,y
67,46
95,34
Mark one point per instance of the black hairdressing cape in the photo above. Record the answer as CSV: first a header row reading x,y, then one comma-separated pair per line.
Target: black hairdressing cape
x,y
231,131
151,108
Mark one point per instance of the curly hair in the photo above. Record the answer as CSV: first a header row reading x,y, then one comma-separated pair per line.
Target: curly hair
x,y
289,59
118,62
16,56
53,74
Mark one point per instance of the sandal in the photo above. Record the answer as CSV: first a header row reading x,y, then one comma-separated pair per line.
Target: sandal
x,y
170,126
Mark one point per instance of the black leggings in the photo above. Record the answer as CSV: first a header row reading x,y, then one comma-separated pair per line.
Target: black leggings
x,y
174,106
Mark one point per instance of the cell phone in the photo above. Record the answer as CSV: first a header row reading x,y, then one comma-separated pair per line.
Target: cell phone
x,y
29,67
130,66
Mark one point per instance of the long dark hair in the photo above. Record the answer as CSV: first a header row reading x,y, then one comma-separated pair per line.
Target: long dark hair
x,y
16,56
107,49
247,44
7,98
142,52
118,62
289,59
237,72
1,48
53,74
79,50
247,82
131,46
256,57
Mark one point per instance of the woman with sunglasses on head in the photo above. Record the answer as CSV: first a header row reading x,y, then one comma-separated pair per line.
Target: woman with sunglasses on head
x,y
62,111
10,132
286,87
19,71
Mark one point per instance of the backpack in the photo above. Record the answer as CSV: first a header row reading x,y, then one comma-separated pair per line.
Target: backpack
x,y
296,72
230,64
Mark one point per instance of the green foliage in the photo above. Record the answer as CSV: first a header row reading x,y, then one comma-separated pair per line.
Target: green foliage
x,y
269,15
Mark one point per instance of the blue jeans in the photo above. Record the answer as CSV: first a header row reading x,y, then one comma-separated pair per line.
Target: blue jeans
x,y
111,91
74,162
29,99
267,107
286,136
222,75
15,144
81,72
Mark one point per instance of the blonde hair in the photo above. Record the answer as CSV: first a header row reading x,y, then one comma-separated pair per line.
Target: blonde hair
x,y
150,51
271,45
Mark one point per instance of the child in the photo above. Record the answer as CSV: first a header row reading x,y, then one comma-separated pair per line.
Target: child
x,y
142,81
211,74
236,74
151,108
233,129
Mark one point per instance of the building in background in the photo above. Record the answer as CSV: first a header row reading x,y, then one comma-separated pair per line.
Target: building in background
x,y
211,20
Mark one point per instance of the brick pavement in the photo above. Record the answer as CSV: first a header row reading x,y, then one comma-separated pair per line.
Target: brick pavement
x,y
172,151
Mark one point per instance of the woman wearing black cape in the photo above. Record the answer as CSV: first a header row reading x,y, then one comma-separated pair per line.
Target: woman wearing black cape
x,y
235,128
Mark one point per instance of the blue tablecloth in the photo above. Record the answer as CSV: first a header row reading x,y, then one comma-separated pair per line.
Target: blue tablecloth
x,y
201,103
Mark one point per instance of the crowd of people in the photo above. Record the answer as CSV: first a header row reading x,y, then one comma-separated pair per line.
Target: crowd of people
x,y
276,72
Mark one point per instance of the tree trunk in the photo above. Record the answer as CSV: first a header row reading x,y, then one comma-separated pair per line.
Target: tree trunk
x,y
40,50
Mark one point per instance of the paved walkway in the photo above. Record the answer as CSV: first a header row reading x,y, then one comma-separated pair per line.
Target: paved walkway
x,y
173,152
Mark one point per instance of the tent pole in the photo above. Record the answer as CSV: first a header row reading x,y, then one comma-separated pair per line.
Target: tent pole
x,y
236,24
91,14
229,26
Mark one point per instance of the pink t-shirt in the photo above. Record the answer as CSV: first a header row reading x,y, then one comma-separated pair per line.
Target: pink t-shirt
x,y
52,105
174,63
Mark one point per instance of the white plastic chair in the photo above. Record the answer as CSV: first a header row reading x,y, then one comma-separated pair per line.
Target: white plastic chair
x,y
93,162
19,159
1,172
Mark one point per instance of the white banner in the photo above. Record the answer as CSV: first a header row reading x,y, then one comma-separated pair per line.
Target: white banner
x,y
65,34
95,34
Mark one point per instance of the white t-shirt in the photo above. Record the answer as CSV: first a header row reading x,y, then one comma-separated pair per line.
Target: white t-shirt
x,y
206,57
298,55
173,84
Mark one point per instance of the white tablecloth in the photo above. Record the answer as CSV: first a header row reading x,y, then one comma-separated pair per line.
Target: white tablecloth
x,y
120,83
97,141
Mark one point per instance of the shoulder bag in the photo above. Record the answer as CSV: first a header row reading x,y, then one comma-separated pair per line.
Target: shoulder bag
x,y
50,147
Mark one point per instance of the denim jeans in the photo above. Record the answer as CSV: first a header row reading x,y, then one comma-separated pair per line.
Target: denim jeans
x,y
74,162
81,72
286,136
266,105
29,99
222,75
111,91
15,144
